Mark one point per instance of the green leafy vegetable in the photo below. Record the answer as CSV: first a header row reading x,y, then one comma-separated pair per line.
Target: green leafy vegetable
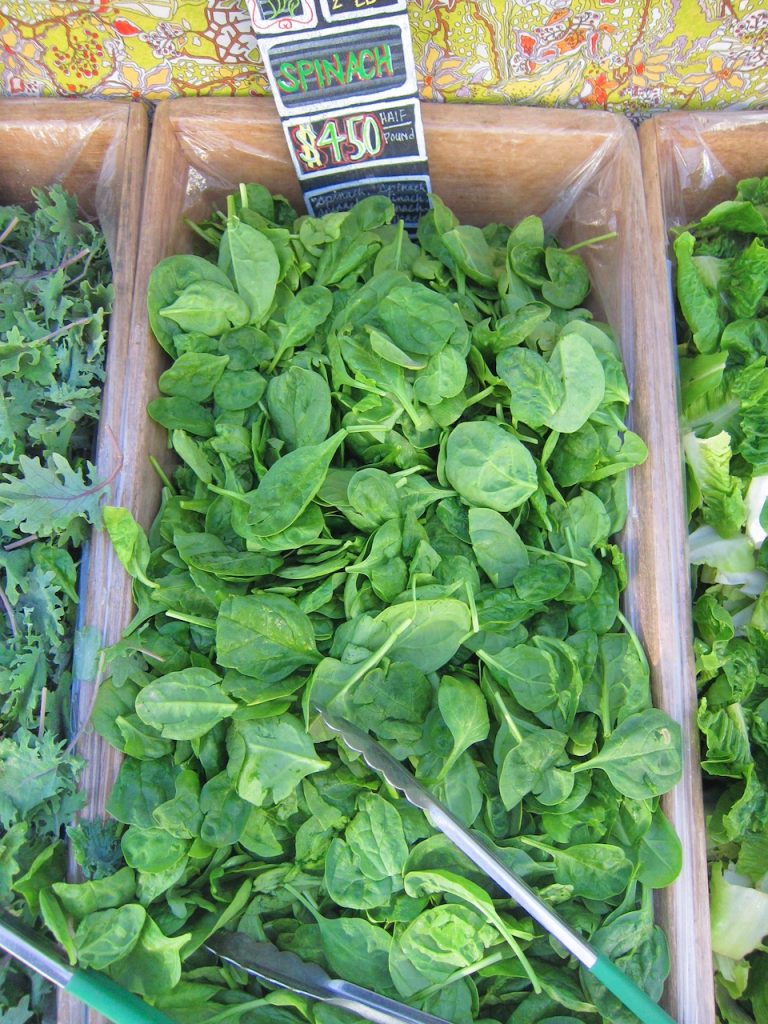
x,y
184,705
722,277
55,297
489,467
402,525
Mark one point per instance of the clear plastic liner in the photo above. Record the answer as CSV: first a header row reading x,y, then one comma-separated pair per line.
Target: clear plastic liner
x,y
691,161
702,156
580,171
79,144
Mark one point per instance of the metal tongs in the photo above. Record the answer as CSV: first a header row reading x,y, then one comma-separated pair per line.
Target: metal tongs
x,y
393,772
91,987
287,971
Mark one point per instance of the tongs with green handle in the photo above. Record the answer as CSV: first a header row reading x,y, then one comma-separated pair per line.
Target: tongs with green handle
x,y
94,989
393,772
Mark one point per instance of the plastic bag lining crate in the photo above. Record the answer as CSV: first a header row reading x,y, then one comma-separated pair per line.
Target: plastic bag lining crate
x,y
581,172
691,161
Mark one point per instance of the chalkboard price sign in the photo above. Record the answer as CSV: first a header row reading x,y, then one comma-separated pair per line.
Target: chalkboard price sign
x,y
382,134
324,70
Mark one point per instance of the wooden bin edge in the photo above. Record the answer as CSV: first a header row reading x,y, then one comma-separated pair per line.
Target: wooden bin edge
x,y
685,804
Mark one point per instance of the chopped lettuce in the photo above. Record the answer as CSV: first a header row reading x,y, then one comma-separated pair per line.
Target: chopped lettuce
x,y
739,914
722,278
757,495
709,460
707,546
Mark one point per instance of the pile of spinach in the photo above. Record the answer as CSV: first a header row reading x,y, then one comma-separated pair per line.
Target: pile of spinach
x,y
401,464
55,296
722,277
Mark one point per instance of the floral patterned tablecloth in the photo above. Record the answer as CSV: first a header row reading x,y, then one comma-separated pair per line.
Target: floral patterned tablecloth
x,y
635,56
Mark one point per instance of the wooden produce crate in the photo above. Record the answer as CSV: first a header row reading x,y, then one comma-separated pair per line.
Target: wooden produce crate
x,y
97,151
690,162
581,172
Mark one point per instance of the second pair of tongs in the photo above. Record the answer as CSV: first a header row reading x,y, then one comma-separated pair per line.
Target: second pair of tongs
x,y
393,772
287,971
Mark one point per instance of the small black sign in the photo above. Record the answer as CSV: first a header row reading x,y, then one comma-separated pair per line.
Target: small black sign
x,y
345,10
356,138
326,69
272,10
276,17
409,194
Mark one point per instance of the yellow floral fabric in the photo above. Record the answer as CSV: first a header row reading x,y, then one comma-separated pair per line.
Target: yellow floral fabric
x,y
635,56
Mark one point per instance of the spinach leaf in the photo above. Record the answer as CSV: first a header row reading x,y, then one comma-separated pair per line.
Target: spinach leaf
x,y
376,839
583,382
153,964
269,758
543,676
497,546
168,280
489,467
527,764
265,636
419,320
642,757
150,850
129,541
568,283
594,870
194,375
660,855
433,631
471,253
84,898
465,712
446,883
346,883
252,262
140,787
357,949
288,487
208,308
299,403
444,939
107,935
636,945
184,705
537,391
